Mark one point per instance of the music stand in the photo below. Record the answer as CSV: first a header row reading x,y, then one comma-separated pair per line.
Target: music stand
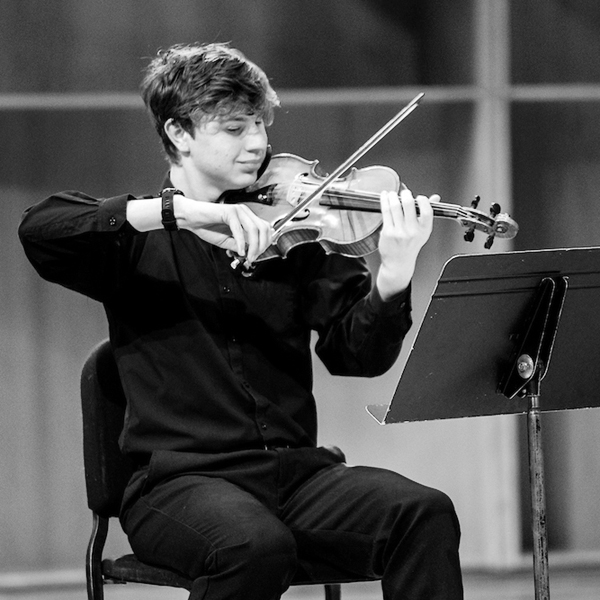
x,y
486,342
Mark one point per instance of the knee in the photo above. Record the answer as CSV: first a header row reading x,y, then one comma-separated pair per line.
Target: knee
x,y
258,554
257,563
435,513
415,500
273,548
414,507
431,503
436,502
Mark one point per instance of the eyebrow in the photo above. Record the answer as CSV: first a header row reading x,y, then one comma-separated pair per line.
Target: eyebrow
x,y
239,117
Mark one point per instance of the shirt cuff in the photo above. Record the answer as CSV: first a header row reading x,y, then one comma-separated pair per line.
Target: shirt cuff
x,y
112,213
400,303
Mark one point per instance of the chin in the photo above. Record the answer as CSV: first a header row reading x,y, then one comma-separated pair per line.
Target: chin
x,y
244,181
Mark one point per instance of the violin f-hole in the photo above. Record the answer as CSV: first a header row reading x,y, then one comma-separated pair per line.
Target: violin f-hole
x,y
301,216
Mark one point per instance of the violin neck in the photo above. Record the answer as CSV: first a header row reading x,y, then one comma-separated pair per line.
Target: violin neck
x,y
369,202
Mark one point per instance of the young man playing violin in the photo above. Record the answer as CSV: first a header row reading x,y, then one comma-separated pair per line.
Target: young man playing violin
x,y
231,488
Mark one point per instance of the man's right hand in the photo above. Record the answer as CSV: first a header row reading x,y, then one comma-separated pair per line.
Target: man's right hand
x,y
233,227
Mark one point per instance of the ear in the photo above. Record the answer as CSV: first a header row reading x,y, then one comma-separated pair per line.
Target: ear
x,y
178,135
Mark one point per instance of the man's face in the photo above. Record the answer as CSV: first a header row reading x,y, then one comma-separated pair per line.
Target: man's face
x,y
227,152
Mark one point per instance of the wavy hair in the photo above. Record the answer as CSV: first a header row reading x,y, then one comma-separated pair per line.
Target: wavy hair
x,y
189,82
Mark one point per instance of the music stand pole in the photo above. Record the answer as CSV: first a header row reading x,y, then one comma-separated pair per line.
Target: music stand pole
x,y
538,499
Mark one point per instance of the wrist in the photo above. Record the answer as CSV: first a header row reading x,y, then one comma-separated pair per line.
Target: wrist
x,y
143,214
391,283
185,211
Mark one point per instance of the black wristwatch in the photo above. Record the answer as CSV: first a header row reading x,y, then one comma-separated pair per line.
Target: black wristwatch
x,y
168,215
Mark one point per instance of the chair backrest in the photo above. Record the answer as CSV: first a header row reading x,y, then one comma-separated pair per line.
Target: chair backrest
x,y
103,404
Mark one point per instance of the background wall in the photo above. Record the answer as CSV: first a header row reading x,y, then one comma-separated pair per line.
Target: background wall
x,y
508,114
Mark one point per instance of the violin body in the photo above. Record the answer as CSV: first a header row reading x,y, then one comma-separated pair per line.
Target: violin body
x,y
345,215
328,220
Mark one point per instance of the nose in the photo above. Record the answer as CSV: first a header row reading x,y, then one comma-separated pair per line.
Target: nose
x,y
256,138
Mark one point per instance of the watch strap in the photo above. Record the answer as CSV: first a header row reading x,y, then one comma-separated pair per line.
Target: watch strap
x,y
167,213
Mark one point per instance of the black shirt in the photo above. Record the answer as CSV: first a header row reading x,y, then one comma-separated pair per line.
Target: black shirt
x,y
211,360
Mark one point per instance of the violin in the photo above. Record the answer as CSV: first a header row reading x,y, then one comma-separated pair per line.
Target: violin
x,y
342,212
346,217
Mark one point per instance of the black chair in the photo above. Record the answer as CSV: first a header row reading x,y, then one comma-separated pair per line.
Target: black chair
x,y
107,472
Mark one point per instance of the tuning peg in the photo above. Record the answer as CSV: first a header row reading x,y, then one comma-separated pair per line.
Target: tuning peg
x,y
475,202
489,242
469,235
495,209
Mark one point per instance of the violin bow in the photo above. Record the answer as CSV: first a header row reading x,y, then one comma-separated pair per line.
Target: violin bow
x,y
374,139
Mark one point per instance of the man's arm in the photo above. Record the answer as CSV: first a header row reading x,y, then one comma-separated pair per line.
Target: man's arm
x,y
76,241
233,227
361,328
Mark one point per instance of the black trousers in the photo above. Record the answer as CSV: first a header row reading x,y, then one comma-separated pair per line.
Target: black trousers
x,y
244,525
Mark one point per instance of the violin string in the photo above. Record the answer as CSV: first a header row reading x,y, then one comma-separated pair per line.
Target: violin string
x,y
440,209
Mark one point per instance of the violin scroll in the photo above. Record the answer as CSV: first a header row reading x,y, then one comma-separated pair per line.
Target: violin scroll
x,y
496,224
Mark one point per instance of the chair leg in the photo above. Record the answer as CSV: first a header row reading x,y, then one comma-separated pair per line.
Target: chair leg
x,y
333,591
93,559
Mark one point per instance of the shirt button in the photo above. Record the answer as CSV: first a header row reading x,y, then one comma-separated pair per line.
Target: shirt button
x,y
226,289
263,426
112,221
